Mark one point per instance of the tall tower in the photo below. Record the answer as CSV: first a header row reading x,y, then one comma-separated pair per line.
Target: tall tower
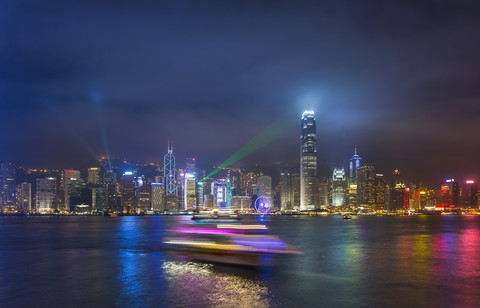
x,y
169,172
339,187
355,163
308,161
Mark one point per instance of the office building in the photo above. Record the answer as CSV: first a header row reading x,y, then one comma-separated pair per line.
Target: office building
x,y
308,161
355,163
157,197
339,186
169,172
264,187
7,186
45,196
366,186
93,176
285,191
23,197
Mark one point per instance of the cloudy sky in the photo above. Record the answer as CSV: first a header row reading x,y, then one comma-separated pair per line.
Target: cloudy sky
x,y
398,79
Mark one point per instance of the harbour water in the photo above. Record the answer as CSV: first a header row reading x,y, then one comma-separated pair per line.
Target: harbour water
x,y
388,261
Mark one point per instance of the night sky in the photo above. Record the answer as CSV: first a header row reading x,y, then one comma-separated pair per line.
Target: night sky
x,y
398,79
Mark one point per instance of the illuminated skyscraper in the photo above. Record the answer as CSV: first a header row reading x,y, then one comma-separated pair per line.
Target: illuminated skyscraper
x,y
200,204
169,172
24,197
339,187
366,185
380,192
72,184
190,184
219,190
46,189
7,183
128,192
470,194
308,161
93,175
264,186
285,191
157,192
355,163
190,196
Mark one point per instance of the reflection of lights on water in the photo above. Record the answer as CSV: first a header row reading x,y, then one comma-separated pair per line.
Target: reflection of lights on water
x,y
196,284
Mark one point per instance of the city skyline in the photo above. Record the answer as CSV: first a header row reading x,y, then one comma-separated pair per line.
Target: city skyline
x,y
154,189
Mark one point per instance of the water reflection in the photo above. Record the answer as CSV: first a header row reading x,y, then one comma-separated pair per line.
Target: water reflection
x,y
199,285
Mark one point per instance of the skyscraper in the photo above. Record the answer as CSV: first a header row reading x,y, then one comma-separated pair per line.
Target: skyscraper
x,y
72,184
355,163
339,187
128,192
169,172
46,190
380,192
366,185
190,196
264,186
190,184
7,185
157,192
219,189
308,161
93,175
24,197
285,191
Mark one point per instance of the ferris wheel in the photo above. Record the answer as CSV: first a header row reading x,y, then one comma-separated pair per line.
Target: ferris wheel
x,y
262,205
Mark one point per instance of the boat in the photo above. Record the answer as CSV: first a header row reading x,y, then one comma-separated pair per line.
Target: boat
x,y
215,214
228,243
347,216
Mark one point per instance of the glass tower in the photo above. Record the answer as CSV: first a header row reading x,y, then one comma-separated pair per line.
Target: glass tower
x,y
169,172
355,162
308,161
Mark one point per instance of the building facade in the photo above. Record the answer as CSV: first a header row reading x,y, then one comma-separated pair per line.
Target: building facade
x,y
308,161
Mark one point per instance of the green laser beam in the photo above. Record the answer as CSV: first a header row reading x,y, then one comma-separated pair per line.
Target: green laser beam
x,y
270,133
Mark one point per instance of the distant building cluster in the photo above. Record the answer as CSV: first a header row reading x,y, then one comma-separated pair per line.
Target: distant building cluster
x,y
118,186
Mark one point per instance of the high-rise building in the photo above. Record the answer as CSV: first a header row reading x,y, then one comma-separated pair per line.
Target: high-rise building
x,y
93,175
110,180
470,194
99,196
71,183
308,161
285,191
23,196
296,191
228,193
397,198
366,186
380,192
450,193
264,186
45,198
157,197
128,200
355,163
325,192
200,204
169,172
189,191
219,189
7,185
339,187
144,204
